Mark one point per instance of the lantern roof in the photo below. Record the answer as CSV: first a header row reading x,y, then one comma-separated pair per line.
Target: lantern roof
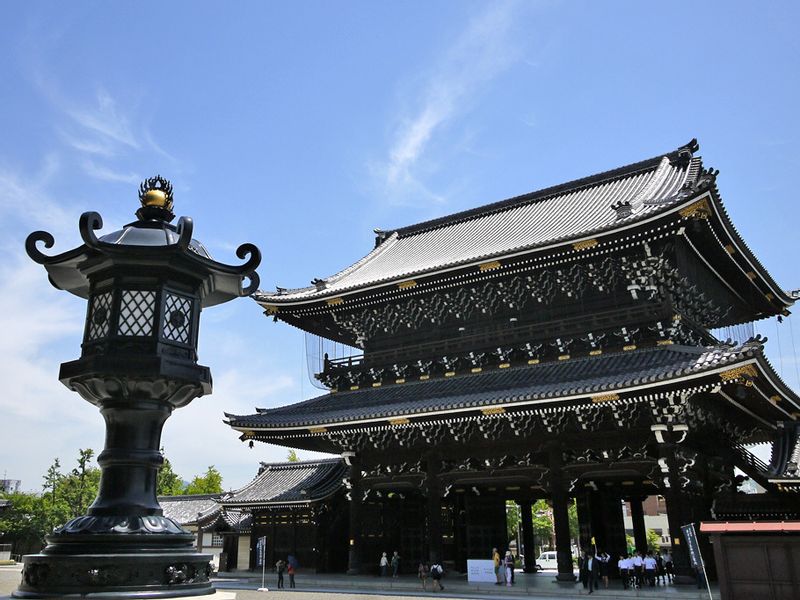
x,y
150,240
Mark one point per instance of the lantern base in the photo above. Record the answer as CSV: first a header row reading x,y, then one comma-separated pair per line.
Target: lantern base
x,y
116,565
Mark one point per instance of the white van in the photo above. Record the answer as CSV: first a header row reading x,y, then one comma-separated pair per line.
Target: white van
x,y
547,560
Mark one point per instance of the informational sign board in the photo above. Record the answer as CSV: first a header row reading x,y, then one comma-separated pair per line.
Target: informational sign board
x,y
480,571
261,551
692,546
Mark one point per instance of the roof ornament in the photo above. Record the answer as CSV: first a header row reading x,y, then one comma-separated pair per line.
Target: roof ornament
x,y
623,209
155,194
756,341
687,150
380,236
320,284
707,179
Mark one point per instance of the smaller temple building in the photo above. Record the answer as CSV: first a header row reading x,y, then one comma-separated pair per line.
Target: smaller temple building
x,y
300,507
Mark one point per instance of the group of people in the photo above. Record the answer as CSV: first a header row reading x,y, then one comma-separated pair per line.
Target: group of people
x,y
434,571
636,570
503,567
285,566
394,563
645,568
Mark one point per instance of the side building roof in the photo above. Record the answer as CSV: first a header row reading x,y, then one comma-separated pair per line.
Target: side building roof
x,y
553,215
290,483
189,510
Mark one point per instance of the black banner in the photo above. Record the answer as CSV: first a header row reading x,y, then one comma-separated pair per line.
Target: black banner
x,y
692,546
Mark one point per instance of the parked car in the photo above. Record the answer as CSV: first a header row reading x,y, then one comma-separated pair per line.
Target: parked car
x,y
547,560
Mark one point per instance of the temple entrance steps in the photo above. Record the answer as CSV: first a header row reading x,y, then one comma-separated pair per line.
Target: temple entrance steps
x,y
540,585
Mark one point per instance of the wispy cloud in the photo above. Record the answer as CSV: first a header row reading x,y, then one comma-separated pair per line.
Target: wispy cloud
x,y
479,54
106,174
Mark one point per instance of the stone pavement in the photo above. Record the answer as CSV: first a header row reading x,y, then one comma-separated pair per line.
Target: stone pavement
x,y
320,587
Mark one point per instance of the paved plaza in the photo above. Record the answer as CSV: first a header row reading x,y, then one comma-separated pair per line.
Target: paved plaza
x,y
320,587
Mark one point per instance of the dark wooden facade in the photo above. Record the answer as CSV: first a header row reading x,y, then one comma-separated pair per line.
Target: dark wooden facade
x,y
556,345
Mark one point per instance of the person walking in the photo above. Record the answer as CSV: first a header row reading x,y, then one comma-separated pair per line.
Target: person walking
x,y
422,572
589,570
395,564
290,571
280,568
436,575
384,565
650,569
622,565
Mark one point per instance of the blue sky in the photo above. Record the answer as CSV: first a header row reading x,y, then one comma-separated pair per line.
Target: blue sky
x,y
302,126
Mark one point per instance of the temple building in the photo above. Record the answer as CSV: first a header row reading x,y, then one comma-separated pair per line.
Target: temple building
x,y
554,345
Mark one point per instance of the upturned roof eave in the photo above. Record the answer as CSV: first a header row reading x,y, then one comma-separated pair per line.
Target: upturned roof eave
x,y
744,357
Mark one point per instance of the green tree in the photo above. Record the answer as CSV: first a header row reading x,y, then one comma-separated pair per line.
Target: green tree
x,y
55,510
24,523
653,540
292,456
208,483
512,519
79,488
168,482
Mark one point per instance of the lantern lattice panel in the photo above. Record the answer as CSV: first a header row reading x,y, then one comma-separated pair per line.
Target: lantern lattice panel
x,y
136,312
100,316
177,319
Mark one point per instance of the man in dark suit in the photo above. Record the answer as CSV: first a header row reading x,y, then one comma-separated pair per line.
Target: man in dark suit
x,y
589,568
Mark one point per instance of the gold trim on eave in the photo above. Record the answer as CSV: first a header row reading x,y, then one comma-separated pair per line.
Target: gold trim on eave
x,y
664,343
605,397
738,372
489,266
697,210
493,410
399,421
404,285
271,309
317,429
585,244
751,275
334,301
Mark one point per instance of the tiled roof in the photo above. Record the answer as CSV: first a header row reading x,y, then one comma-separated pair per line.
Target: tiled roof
x,y
291,482
185,509
569,211
545,381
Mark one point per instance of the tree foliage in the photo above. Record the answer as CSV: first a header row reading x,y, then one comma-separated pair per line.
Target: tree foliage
x,y
168,482
208,483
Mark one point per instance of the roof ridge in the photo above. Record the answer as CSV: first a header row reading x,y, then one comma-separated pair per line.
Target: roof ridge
x,y
682,153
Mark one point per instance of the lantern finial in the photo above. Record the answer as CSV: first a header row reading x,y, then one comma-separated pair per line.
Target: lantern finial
x,y
155,195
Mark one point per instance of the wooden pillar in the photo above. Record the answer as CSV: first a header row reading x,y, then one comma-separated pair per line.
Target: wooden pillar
x,y
434,509
354,554
528,543
583,506
615,543
639,530
678,513
560,499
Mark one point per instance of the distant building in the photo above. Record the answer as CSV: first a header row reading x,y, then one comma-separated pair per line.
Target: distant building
x,y
9,486
655,518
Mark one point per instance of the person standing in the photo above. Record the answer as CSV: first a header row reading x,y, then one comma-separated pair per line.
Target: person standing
x,y
638,571
497,567
290,571
588,571
603,559
622,565
509,566
395,564
650,569
384,565
280,567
